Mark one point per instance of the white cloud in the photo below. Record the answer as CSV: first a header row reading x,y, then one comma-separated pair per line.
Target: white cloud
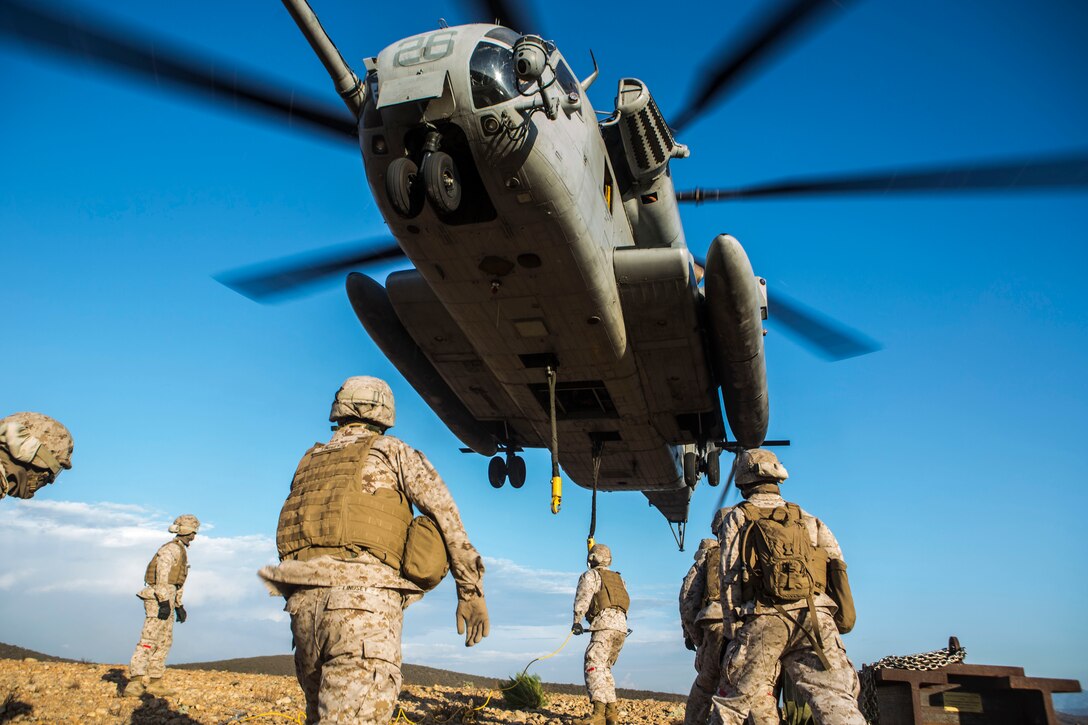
x,y
77,567
543,581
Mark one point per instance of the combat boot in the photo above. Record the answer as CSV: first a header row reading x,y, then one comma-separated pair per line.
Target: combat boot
x,y
136,686
594,718
612,714
156,687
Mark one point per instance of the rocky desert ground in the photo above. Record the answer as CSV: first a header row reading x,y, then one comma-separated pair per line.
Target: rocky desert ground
x,y
35,691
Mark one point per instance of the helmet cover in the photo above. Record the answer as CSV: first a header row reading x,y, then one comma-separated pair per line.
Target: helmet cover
x,y
365,398
599,555
759,466
23,433
185,524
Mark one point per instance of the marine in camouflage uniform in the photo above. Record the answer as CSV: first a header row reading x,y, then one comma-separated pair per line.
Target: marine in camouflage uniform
x,y
701,620
601,597
340,570
34,449
165,580
761,638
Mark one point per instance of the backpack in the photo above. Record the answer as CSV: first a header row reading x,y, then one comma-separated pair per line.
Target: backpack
x,y
780,565
780,562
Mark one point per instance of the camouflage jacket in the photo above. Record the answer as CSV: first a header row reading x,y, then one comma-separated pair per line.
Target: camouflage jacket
x,y
392,463
588,585
18,447
169,554
693,613
733,609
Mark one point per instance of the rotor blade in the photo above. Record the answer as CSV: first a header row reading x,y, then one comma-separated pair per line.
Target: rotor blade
x,y
282,278
770,38
828,338
511,15
728,483
1069,171
132,52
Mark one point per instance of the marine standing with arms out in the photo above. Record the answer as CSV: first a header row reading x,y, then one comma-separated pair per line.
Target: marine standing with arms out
x,y
701,619
164,580
352,558
776,610
602,599
34,449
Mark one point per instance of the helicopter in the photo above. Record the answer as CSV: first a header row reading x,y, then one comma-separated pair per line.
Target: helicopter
x,y
553,301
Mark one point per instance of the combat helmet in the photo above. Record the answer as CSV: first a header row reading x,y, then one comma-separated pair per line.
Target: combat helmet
x,y
184,525
599,555
364,398
44,442
759,466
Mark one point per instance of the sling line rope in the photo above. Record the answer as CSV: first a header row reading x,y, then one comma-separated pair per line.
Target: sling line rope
x,y
470,708
557,482
598,450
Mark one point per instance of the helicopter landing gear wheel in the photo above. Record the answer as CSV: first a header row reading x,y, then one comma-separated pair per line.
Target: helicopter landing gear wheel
x,y
443,181
713,468
691,469
515,469
496,472
403,188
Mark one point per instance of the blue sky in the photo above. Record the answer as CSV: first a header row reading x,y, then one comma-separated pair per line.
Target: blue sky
x,y
951,465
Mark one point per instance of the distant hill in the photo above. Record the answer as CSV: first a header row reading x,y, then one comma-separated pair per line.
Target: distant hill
x,y
11,652
413,675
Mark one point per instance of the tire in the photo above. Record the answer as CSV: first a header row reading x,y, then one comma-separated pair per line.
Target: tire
x,y
713,468
496,472
443,182
515,469
691,469
403,188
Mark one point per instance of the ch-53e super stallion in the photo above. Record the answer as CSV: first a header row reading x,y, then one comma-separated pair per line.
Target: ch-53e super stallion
x,y
553,301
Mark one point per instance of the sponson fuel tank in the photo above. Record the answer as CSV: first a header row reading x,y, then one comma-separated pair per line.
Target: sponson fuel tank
x,y
374,310
736,301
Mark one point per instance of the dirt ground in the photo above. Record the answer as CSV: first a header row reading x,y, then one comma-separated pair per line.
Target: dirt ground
x,y
33,691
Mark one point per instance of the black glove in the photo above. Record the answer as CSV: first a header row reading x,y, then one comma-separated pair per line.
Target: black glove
x,y
689,643
164,610
179,614
577,628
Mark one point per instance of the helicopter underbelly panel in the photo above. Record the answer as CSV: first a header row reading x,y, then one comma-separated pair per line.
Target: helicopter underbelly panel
x,y
494,303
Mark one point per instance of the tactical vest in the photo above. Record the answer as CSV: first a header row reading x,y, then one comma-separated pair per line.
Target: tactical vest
x,y
328,513
177,573
713,592
611,594
780,563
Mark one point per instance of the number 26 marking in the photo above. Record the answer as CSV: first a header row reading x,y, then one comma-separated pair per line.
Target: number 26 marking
x,y
425,49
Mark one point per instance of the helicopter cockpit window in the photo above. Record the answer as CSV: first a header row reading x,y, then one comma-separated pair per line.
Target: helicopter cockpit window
x,y
504,35
491,71
372,117
566,78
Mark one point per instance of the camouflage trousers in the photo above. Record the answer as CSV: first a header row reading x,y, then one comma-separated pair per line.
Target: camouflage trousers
x,y
601,654
155,639
708,663
751,666
347,652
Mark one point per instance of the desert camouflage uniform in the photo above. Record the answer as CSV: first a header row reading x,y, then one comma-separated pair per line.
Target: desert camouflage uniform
x,y
609,630
346,615
157,636
702,624
764,639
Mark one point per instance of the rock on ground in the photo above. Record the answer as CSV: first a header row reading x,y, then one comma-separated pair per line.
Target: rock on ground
x,y
52,692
